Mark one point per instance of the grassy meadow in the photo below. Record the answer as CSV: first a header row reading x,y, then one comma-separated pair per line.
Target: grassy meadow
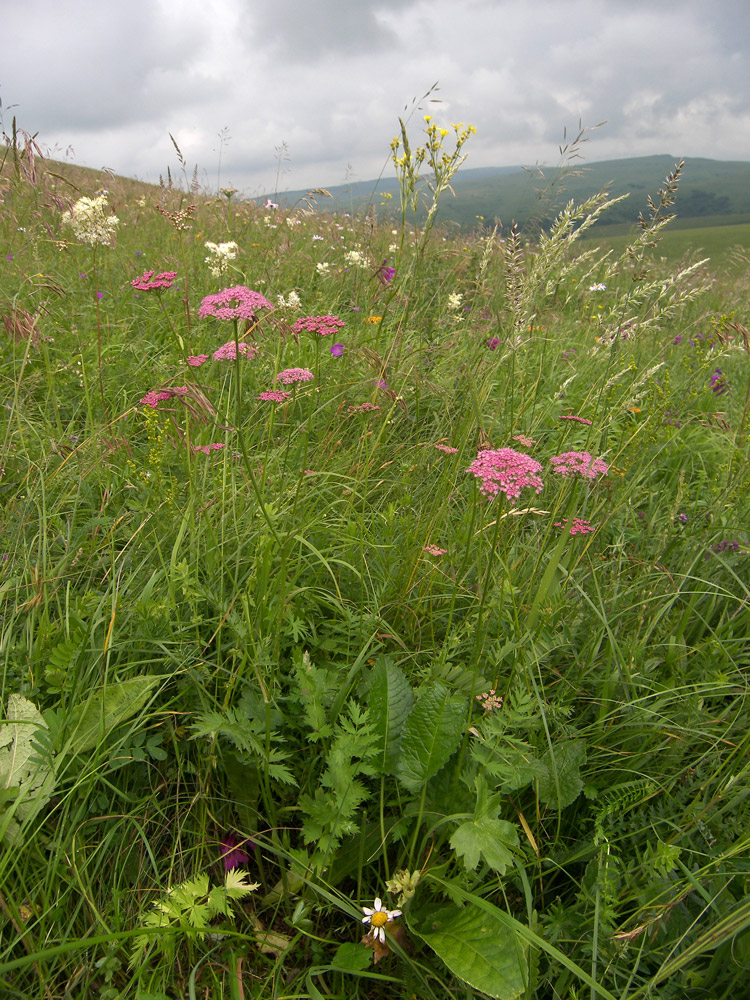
x,y
373,598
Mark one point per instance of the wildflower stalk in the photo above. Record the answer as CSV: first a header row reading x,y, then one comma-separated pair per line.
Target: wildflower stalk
x,y
241,434
98,328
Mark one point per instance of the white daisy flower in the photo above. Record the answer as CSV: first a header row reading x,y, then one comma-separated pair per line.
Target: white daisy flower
x,y
377,917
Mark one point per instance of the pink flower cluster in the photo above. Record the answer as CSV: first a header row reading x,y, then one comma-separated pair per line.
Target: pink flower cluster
x,y
228,351
446,449
157,396
148,282
233,303
363,408
577,527
291,375
434,550
207,448
579,463
505,471
572,416
273,396
196,360
525,440
322,325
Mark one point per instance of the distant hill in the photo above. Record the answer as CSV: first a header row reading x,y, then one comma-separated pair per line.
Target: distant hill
x,y
717,189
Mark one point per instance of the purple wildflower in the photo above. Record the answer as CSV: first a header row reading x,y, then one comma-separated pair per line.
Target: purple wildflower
x,y
386,274
337,350
719,383
493,342
231,851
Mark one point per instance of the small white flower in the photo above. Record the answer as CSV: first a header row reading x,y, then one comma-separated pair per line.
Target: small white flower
x,y
323,268
598,287
377,917
454,300
355,258
219,255
89,221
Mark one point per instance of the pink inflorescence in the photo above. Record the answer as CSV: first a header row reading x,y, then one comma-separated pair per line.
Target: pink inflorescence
x,y
157,396
196,360
233,303
579,463
322,325
505,471
363,408
572,416
149,282
434,550
577,527
207,448
446,449
273,396
228,351
525,440
291,375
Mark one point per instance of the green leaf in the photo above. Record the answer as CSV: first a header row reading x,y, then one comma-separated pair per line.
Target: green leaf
x,y
352,957
562,783
431,735
90,721
493,838
390,699
477,946
21,766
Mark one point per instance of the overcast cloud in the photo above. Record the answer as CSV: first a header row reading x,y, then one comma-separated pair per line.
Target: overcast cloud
x,y
327,79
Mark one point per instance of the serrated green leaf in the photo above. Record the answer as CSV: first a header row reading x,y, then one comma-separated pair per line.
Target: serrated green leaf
x,y
90,721
562,782
476,946
390,699
492,838
431,735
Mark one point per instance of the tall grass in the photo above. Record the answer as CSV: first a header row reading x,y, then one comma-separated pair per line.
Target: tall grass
x,y
266,662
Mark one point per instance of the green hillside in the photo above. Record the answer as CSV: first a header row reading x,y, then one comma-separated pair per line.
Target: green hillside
x,y
715,189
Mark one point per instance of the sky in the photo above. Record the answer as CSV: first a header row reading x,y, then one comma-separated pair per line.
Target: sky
x,y
274,95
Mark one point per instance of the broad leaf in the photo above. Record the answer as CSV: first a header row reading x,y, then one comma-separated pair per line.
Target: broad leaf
x,y
390,699
562,783
492,838
21,766
431,735
90,721
477,946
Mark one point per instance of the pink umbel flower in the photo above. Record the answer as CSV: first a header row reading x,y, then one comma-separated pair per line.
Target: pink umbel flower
x,y
525,440
322,325
234,303
446,449
156,396
208,448
505,471
149,282
363,408
228,351
196,360
578,463
291,375
577,526
572,416
273,396
434,550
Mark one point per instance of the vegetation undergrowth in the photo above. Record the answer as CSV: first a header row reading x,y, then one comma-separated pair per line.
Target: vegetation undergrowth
x,y
374,603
